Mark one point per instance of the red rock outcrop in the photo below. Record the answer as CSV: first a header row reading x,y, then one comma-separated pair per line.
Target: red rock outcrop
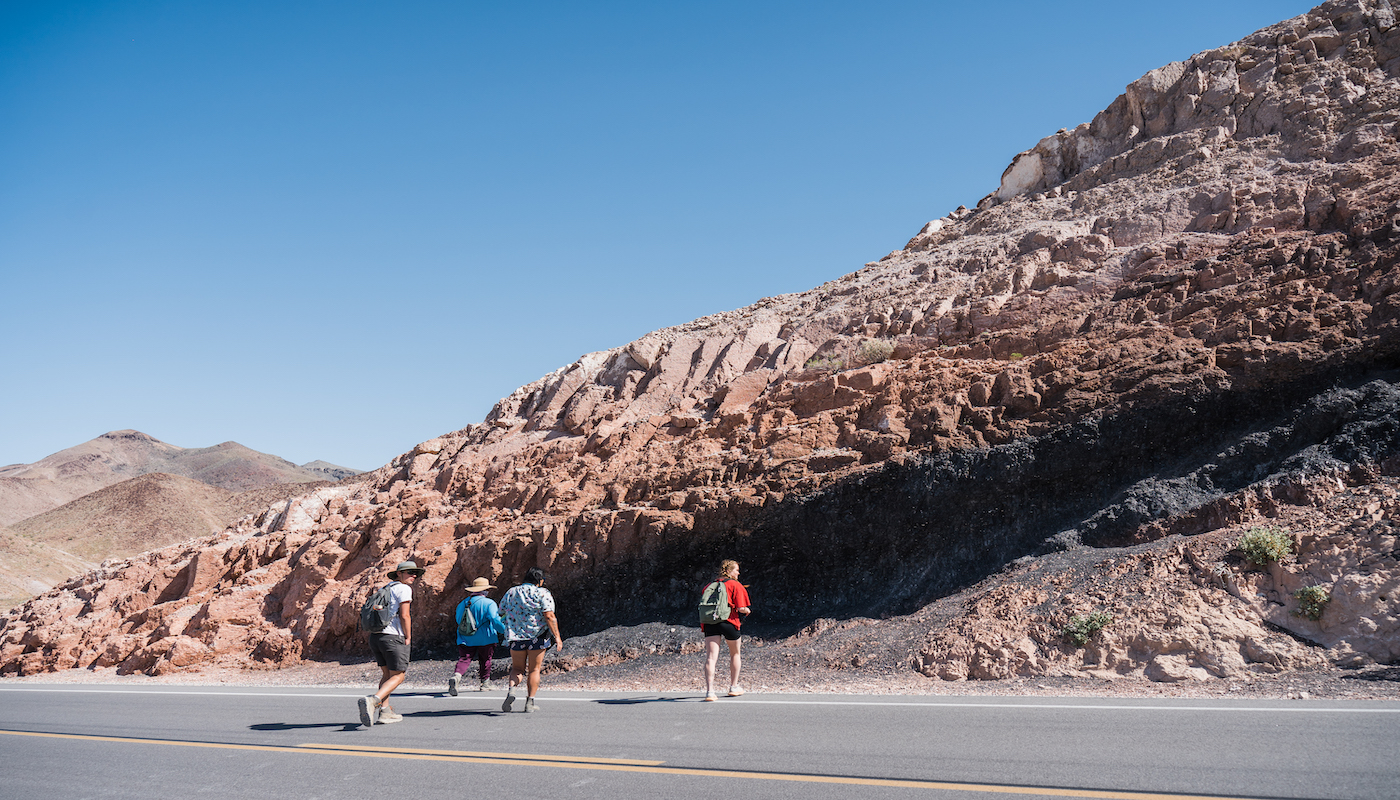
x,y
1145,318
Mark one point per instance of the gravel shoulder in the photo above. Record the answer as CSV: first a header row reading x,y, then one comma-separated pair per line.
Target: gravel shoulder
x,y
657,658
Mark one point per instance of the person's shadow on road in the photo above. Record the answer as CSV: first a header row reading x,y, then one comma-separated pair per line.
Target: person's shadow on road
x,y
351,726
287,726
453,713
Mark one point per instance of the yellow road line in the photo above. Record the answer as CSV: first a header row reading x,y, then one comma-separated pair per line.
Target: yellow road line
x,y
653,768
169,742
475,754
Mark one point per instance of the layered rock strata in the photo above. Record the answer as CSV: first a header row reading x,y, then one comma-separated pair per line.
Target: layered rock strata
x,y
1195,295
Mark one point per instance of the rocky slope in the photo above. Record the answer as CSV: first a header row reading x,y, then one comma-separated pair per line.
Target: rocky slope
x,y
1165,325
30,489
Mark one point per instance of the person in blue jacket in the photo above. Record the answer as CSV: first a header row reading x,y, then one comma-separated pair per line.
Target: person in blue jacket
x,y
482,644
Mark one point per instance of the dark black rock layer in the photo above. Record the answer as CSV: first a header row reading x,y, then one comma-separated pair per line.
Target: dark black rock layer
x,y
906,534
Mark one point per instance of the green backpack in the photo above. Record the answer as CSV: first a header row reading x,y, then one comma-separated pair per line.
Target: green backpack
x,y
714,603
467,625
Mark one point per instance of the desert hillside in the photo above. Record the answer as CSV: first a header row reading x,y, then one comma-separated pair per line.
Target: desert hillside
x,y
30,489
28,567
127,518
1167,327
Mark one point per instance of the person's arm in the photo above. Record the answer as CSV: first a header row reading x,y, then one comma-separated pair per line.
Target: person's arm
x,y
553,623
404,621
741,596
496,623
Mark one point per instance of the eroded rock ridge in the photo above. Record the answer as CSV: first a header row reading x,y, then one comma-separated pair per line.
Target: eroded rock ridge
x,y
1173,321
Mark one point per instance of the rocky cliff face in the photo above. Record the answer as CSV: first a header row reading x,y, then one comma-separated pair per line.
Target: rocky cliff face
x,y
1168,322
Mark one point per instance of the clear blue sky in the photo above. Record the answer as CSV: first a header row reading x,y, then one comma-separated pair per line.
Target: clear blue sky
x,y
331,230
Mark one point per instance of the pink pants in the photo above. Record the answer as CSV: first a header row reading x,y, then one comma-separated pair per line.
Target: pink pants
x,y
481,652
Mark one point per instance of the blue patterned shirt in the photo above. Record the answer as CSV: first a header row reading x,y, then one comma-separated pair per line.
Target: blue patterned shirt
x,y
523,611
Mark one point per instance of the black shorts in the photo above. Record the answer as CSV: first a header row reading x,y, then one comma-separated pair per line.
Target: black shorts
x,y
725,629
390,650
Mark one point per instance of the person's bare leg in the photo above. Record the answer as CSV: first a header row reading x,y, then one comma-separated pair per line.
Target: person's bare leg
x,y
517,668
711,659
734,662
536,661
514,677
389,681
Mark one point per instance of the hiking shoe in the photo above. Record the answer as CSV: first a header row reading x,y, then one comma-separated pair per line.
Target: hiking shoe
x,y
452,685
709,697
736,690
369,710
485,684
530,706
510,698
388,716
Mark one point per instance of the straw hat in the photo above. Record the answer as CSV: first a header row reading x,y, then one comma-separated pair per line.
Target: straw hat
x,y
479,585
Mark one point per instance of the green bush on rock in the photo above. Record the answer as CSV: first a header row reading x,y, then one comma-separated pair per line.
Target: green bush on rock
x,y
1265,544
876,350
1312,601
1081,628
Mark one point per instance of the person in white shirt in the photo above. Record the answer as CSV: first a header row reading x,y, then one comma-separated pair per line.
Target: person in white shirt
x,y
391,647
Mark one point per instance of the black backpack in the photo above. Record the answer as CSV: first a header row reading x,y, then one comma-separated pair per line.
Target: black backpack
x,y
377,612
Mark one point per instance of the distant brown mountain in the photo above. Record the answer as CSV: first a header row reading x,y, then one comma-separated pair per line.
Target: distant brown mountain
x,y
143,513
30,489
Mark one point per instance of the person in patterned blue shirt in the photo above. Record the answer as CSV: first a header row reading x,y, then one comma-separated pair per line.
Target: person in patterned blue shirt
x,y
528,610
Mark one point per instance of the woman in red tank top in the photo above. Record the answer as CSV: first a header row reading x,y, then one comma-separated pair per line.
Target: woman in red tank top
x,y
727,630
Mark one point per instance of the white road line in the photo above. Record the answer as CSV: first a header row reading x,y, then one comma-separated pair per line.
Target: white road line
x,y
622,699
55,690
1052,706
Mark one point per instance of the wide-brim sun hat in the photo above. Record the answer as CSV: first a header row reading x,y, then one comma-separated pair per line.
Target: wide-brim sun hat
x,y
479,585
408,566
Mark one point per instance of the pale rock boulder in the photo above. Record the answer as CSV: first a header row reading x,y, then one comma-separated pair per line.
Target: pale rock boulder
x,y
1363,615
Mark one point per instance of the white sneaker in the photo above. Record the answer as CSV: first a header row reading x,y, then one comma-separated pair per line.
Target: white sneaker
x,y
710,697
369,710
388,716
452,684
736,690
484,686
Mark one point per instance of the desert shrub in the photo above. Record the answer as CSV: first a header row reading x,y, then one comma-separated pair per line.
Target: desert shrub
x,y
1017,356
1312,601
873,351
1265,544
1081,628
827,364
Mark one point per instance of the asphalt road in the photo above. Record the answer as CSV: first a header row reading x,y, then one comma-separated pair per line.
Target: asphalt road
x,y
182,742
